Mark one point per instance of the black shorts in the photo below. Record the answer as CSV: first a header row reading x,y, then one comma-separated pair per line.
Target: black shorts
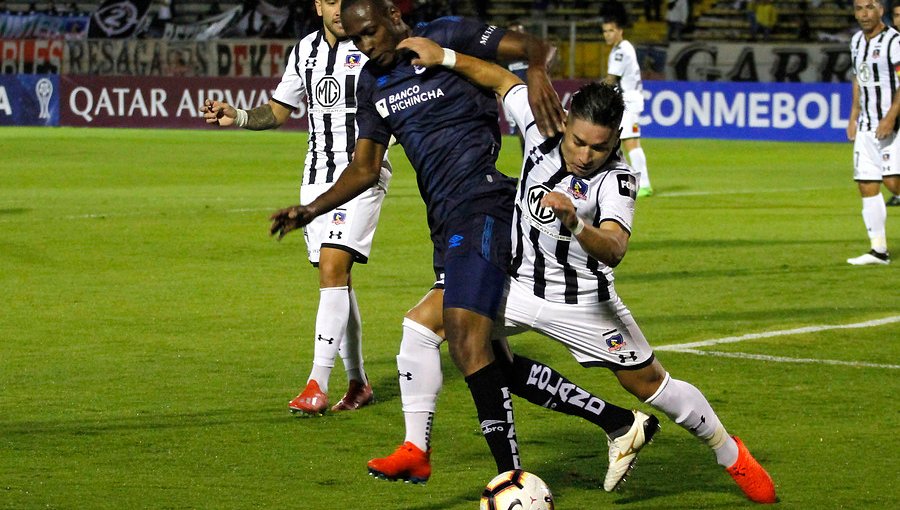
x,y
476,258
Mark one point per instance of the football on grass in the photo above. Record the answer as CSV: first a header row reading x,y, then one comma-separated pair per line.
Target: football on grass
x,y
516,490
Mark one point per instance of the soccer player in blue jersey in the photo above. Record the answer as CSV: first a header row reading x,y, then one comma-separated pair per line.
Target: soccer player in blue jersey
x,y
574,213
449,130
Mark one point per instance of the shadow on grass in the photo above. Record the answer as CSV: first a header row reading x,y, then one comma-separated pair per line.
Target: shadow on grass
x,y
13,210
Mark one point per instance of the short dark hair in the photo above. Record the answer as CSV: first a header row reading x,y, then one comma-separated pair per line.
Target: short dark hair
x,y
599,103
381,6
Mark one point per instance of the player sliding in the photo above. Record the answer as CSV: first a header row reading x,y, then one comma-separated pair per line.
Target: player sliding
x,y
449,130
573,214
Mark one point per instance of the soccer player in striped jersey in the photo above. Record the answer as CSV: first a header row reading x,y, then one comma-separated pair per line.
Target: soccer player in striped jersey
x,y
875,53
573,216
624,71
449,130
324,69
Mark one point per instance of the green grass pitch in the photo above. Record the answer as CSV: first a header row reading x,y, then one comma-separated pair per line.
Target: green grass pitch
x,y
151,333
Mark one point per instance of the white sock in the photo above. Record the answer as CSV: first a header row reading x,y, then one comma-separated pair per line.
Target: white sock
x,y
351,345
419,369
685,405
874,214
331,326
639,163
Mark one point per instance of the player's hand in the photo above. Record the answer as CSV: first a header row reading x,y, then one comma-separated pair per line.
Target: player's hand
x,y
562,207
545,105
851,131
429,53
885,128
289,219
219,113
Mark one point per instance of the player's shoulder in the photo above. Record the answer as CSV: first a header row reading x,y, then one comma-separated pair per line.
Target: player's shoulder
x,y
854,39
626,45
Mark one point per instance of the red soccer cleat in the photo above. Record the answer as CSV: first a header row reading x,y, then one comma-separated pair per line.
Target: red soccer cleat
x,y
311,402
751,477
358,395
408,463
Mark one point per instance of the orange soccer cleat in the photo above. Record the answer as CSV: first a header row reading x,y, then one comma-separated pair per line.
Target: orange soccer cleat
x,y
310,402
358,395
751,477
408,463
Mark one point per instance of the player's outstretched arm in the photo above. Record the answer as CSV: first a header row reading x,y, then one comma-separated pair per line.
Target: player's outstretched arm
x,y
360,175
484,74
544,101
267,116
606,243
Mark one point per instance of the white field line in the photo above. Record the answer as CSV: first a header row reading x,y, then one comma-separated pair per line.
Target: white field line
x,y
139,213
673,194
691,347
783,332
782,359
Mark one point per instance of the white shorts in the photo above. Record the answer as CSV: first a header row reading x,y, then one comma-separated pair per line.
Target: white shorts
x,y
634,106
874,159
350,227
596,334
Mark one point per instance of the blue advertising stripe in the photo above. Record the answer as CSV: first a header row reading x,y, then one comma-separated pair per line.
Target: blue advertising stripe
x,y
803,112
29,100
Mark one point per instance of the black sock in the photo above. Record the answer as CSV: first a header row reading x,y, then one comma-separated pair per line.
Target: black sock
x,y
541,385
490,391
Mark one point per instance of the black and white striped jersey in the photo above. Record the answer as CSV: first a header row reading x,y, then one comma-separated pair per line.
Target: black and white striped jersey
x,y
326,76
546,256
876,64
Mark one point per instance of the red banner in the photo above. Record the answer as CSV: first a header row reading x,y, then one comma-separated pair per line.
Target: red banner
x,y
142,101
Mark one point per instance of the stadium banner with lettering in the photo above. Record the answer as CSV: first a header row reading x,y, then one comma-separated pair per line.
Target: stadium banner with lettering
x,y
152,102
798,112
43,25
159,57
31,56
29,100
808,63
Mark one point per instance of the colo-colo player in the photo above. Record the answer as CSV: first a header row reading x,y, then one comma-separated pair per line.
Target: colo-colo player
x,y
324,68
449,130
573,215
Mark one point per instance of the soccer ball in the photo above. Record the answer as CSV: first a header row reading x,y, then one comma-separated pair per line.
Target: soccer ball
x,y
516,490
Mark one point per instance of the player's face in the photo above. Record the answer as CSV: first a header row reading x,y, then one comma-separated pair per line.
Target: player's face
x,y
586,146
868,14
330,10
374,34
895,16
612,34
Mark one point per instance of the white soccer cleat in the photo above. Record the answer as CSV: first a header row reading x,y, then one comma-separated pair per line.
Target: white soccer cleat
x,y
870,259
623,450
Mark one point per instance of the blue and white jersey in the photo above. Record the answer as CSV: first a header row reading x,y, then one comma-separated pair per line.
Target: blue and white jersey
x,y
546,256
447,126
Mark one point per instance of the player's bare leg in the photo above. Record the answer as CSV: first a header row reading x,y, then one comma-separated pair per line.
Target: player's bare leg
x,y
419,371
335,317
892,183
638,161
685,405
874,215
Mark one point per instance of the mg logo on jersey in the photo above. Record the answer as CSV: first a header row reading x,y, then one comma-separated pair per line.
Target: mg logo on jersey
x,y
538,212
328,91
